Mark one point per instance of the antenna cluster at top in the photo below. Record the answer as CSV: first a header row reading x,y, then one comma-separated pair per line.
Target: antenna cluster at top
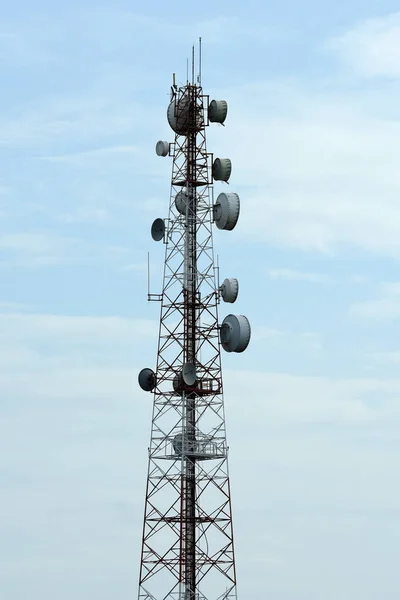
x,y
188,113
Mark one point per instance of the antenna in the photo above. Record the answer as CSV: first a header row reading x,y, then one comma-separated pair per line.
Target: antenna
x,y
148,275
188,448
193,64
199,76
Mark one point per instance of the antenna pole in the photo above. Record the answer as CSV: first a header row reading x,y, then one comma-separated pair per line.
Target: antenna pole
x,y
193,64
200,61
148,275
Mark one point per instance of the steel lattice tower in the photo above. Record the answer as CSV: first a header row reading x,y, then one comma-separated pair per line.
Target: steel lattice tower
x,y
187,547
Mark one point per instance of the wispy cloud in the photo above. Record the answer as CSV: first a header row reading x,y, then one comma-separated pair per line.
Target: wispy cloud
x,y
13,307
34,250
307,161
28,328
134,267
87,215
292,275
315,160
371,48
385,358
93,156
301,398
385,307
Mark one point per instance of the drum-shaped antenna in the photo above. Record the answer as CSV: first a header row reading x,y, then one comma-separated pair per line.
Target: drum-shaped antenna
x,y
226,211
189,374
235,333
147,380
217,111
177,384
222,169
177,443
158,230
162,148
182,444
229,290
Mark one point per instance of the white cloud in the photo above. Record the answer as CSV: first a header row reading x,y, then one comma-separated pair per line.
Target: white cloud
x,y
372,48
75,356
73,418
87,215
385,358
13,307
292,275
317,167
77,329
385,307
34,250
288,399
94,157
211,30
277,341
266,333
51,350
134,267
102,109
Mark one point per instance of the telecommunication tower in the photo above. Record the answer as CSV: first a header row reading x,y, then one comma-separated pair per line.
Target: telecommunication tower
x,y
187,546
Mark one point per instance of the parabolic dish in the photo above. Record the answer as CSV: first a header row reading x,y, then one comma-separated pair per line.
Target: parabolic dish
x,y
230,290
217,111
181,200
162,148
222,169
226,211
147,380
158,230
235,333
180,119
189,374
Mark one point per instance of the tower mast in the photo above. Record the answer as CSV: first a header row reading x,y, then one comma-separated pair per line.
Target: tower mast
x,y
187,546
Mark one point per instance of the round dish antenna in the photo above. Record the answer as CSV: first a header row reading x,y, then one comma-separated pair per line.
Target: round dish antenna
x,y
229,290
158,230
181,200
189,374
226,211
162,148
147,380
217,111
178,115
222,169
235,333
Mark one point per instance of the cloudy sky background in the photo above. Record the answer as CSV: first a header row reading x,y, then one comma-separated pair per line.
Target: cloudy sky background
x,y
313,409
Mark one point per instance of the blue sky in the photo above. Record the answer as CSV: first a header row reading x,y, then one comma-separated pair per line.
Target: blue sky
x,y
313,405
